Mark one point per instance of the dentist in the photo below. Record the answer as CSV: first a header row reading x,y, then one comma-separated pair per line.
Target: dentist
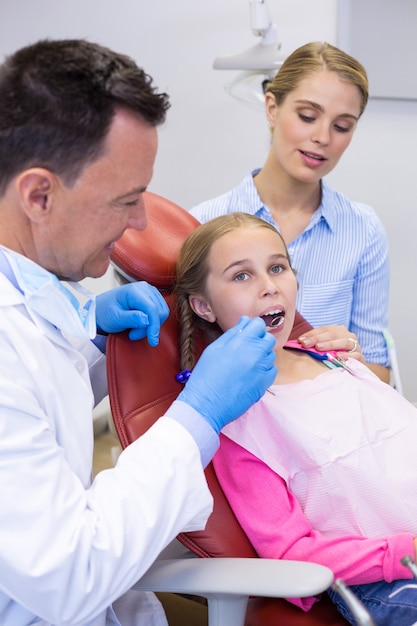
x,y
78,139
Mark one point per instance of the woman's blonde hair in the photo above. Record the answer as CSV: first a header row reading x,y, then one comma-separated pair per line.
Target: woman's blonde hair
x,y
192,271
315,57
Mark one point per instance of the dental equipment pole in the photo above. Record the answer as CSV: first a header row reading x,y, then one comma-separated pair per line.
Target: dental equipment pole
x,y
355,605
408,562
389,340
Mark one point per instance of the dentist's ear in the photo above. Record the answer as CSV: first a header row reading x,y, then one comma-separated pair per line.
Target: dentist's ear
x,y
202,308
36,187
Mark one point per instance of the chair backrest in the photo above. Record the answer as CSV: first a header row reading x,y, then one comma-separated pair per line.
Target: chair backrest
x,y
142,382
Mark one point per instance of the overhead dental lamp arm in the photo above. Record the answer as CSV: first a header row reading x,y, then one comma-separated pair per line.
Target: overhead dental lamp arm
x,y
263,56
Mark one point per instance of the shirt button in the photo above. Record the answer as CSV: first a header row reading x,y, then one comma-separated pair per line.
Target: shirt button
x,y
80,366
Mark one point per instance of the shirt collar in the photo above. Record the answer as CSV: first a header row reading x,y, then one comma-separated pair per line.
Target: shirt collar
x,y
326,209
49,297
249,200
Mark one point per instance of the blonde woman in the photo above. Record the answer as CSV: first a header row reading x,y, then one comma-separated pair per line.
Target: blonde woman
x,y
338,246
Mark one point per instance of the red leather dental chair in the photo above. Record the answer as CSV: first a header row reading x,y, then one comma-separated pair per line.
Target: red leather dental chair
x,y
142,386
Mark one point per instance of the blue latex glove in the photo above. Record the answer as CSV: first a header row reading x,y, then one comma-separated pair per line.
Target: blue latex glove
x,y
137,306
232,373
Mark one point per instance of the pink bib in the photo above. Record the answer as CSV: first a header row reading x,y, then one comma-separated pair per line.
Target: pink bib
x,y
346,447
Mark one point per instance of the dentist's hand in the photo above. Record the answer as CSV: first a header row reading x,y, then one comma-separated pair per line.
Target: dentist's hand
x,y
136,306
232,373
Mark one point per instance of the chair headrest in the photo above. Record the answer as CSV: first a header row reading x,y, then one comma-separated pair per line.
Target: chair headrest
x,y
151,254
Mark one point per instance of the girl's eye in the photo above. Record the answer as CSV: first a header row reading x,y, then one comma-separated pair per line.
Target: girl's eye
x,y
241,276
277,269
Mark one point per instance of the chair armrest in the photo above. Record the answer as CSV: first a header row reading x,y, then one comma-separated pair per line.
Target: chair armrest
x,y
237,576
227,583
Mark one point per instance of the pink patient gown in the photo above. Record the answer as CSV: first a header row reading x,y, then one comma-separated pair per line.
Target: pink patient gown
x,y
345,444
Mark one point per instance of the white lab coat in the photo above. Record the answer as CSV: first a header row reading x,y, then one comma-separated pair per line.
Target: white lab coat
x,y
69,547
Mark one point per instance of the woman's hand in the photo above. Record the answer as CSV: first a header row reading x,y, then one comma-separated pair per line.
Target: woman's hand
x,y
339,338
334,337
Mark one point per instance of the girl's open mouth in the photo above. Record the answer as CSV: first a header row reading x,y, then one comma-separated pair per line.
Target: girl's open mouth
x,y
274,319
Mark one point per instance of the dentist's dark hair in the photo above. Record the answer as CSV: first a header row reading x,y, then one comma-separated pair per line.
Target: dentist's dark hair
x,y
57,102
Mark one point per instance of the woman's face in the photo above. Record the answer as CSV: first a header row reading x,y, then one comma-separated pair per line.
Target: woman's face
x,y
314,125
249,274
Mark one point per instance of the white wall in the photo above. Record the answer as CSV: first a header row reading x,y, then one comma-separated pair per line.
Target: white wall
x,y
210,140
379,169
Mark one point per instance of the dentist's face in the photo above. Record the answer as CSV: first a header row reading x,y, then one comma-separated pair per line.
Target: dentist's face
x,y
88,217
249,274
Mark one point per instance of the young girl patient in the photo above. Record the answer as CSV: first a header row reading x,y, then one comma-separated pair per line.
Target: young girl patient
x,y
324,466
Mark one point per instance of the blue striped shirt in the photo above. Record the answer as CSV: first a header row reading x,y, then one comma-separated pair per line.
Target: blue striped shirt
x,y
341,260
